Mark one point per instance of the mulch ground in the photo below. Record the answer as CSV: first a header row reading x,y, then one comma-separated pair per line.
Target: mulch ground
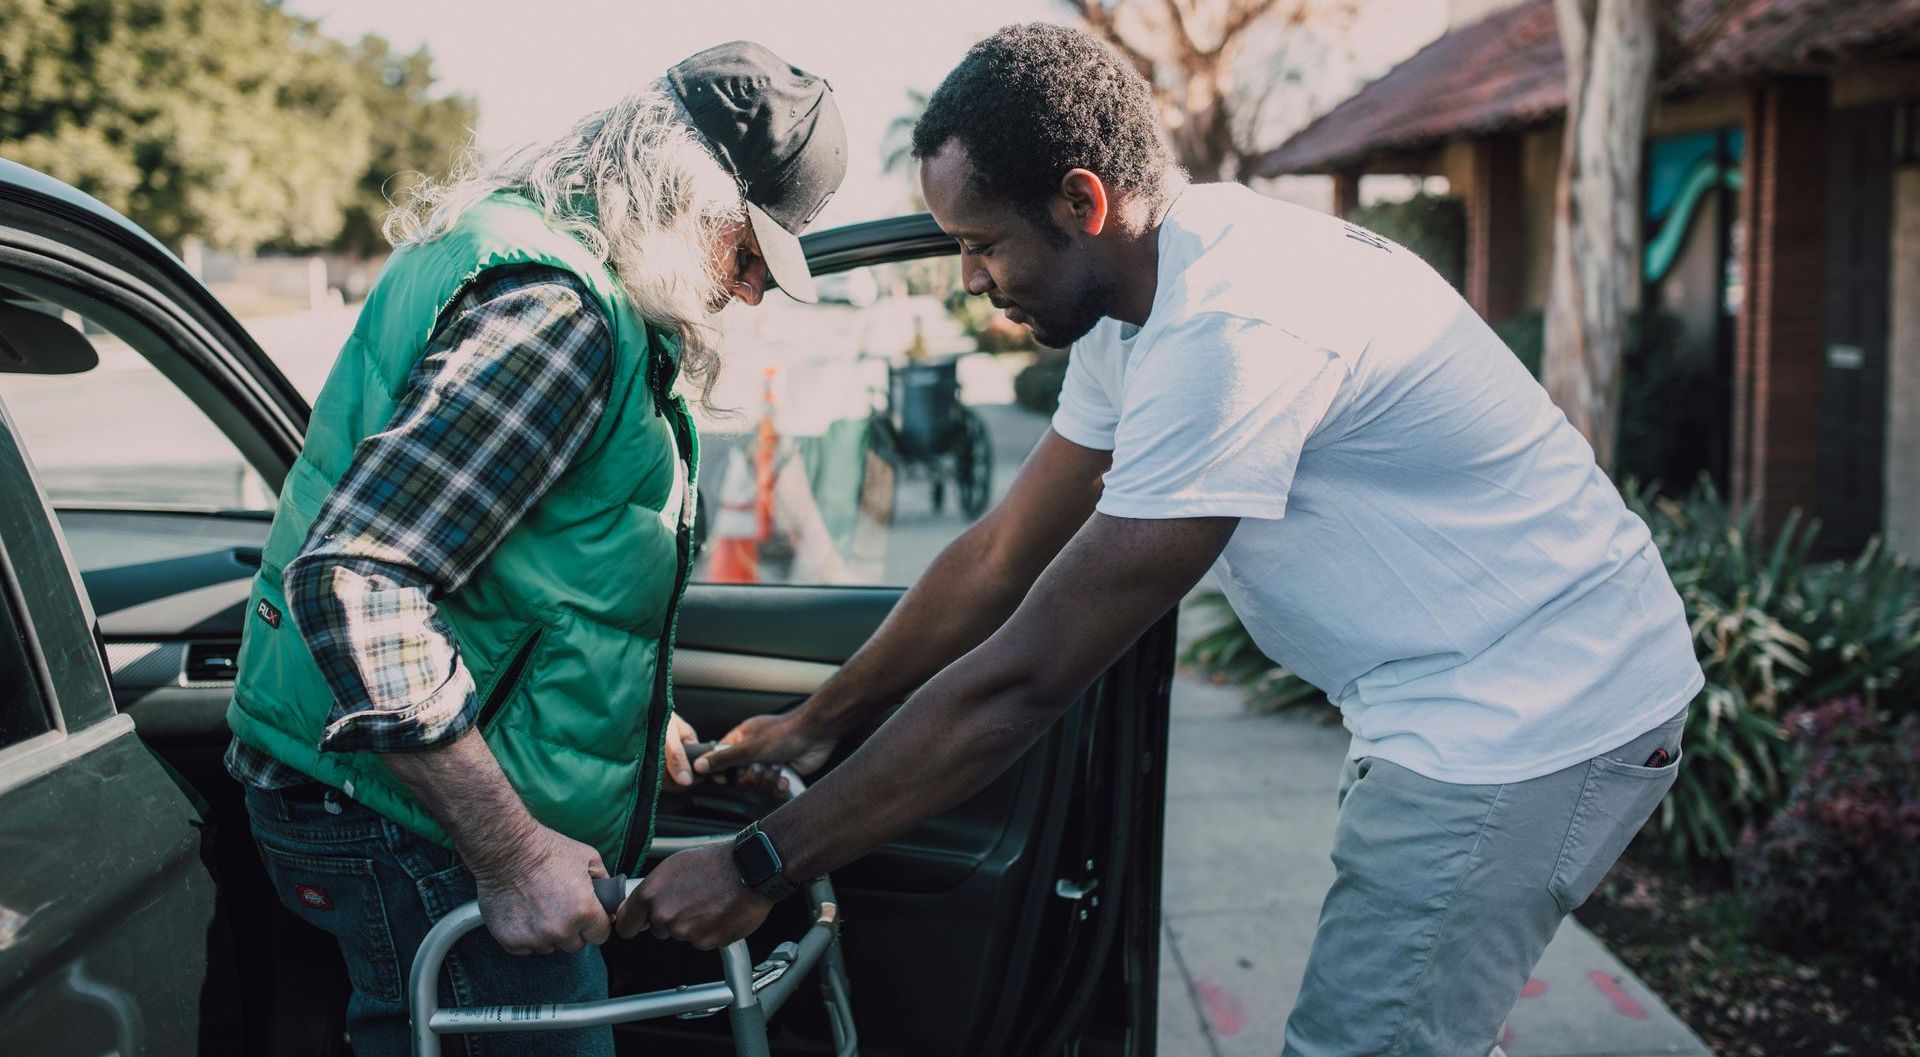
x,y
1687,936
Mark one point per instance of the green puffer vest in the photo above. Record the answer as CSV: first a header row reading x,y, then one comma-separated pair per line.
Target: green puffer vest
x,y
568,626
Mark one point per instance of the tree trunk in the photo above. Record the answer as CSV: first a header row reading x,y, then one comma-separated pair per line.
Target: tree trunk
x,y
1610,48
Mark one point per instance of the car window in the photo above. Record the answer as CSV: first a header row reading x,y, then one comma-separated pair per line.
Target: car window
x,y
859,435
23,702
122,434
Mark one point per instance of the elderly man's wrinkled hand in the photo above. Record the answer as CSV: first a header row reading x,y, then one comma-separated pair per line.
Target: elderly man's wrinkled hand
x,y
695,896
680,734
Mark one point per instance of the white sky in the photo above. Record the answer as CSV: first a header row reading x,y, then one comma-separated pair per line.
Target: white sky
x,y
536,66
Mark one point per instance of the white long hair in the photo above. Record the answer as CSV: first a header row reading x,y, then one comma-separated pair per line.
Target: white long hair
x,y
638,186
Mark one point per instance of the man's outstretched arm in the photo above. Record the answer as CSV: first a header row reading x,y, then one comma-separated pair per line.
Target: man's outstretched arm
x,y
968,591
963,728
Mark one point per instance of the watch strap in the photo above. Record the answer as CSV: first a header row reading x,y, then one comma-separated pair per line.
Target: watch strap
x,y
758,863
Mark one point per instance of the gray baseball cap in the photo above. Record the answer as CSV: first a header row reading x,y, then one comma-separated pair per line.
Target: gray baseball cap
x,y
775,127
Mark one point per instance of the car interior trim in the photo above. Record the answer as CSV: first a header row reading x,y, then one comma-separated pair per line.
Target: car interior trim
x,y
719,670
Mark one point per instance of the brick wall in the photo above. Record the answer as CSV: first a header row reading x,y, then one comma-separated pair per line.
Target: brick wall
x,y
1777,359
1903,369
1496,228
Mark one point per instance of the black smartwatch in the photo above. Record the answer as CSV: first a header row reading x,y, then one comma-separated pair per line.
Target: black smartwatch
x,y
759,864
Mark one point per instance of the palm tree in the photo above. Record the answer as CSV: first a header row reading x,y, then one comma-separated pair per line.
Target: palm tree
x,y
896,145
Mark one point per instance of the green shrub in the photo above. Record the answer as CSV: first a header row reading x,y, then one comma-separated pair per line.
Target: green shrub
x,y
1861,620
1526,335
1770,629
1838,868
1037,387
1735,773
1662,433
1227,654
1432,226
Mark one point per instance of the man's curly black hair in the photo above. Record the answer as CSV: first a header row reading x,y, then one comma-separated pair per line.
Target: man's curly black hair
x,y
1034,101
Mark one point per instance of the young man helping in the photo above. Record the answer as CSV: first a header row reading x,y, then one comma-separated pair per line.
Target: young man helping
x,y
1393,506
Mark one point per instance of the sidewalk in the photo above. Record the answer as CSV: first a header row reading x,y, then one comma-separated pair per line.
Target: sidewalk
x,y
1250,818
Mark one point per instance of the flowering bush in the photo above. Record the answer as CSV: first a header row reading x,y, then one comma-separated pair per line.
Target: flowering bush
x,y
1838,867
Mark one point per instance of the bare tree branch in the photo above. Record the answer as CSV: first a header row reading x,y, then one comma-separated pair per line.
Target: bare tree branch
x,y
1245,14
1101,21
1212,118
1187,45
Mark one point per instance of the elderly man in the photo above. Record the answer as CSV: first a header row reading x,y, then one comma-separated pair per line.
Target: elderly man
x,y
454,677
1391,503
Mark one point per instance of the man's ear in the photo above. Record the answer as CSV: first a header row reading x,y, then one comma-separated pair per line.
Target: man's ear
x,y
1082,205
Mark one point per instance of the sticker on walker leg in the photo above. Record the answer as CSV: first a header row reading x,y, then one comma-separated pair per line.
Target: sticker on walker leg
x,y
313,896
520,1014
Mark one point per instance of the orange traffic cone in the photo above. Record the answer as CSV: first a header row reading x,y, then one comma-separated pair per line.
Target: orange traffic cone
x,y
745,520
767,445
734,543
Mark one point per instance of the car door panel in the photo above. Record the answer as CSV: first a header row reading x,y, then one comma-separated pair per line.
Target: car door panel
x,y
173,582
107,912
941,923
825,624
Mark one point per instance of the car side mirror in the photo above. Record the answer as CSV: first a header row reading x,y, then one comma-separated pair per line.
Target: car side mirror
x,y
36,342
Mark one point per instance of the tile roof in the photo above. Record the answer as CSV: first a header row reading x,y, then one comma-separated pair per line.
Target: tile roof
x,y
1506,70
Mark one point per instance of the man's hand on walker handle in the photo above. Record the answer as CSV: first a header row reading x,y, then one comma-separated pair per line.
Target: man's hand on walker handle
x,y
695,896
540,898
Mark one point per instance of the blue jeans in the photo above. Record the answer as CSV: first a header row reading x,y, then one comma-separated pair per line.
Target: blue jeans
x,y
377,888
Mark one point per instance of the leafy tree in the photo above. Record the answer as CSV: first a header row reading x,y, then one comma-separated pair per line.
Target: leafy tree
x,y
228,120
896,145
414,134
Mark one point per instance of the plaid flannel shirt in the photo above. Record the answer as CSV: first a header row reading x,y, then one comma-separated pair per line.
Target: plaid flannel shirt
x,y
513,382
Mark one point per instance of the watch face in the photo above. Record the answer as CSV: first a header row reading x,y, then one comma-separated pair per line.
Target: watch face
x,y
754,857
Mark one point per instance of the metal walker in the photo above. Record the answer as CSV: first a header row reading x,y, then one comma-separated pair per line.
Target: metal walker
x,y
750,994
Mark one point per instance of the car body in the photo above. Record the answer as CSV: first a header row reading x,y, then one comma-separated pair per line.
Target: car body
x,y
134,915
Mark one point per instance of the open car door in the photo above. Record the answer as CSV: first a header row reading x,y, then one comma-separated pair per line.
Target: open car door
x,y
1024,921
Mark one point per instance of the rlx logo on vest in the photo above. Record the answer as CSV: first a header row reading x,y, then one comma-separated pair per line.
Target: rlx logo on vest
x,y
268,613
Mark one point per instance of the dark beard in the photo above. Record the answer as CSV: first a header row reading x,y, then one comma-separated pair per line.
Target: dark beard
x,y
1088,309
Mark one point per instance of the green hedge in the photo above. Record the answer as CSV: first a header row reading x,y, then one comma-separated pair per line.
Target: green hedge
x,y
1771,630
1661,434
1037,387
1433,226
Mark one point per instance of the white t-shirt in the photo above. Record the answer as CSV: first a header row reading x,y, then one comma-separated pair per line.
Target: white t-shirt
x,y
1423,535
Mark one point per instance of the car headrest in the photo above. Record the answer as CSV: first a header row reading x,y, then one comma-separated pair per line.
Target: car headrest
x,y
36,342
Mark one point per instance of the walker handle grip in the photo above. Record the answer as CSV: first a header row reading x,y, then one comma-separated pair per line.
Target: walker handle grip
x,y
611,891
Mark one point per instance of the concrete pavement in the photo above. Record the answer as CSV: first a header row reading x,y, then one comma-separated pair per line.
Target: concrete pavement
x,y
1249,833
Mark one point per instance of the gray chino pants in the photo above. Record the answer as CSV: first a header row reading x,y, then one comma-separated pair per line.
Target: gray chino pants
x,y
1445,896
